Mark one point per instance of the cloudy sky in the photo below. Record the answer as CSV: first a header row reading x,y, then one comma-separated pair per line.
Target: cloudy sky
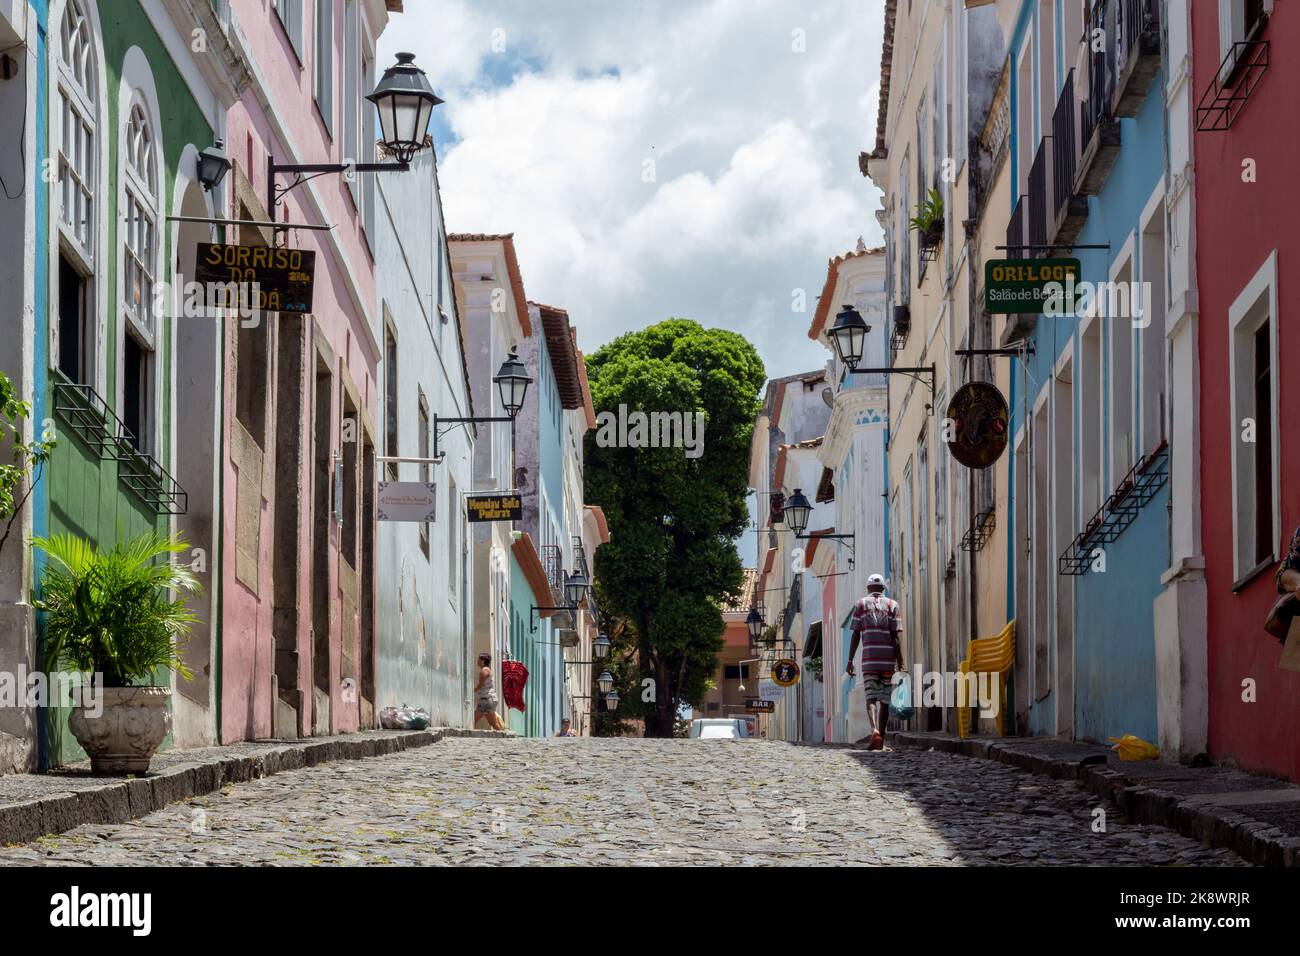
x,y
658,157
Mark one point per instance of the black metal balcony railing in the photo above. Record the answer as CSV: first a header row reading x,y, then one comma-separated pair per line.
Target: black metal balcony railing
x,y
1236,79
89,417
1016,229
1065,147
553,564
1102,67
1038,201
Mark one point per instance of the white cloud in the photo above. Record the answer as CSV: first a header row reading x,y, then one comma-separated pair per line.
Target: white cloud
x,y
754,147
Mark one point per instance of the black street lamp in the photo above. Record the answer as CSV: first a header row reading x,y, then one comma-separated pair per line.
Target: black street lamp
x,y
213,165
611,700
605,682
512,383
405,101
797,510
849,335
575,587
600,647
755,624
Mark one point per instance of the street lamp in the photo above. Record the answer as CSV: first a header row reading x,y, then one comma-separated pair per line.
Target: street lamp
x,y
575,586
605,682
848,335
797,510
600,647
405,101
611,700
213,165
512,383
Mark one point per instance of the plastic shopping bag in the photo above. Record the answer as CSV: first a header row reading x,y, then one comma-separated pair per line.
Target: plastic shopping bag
x,y
900,701
1134,748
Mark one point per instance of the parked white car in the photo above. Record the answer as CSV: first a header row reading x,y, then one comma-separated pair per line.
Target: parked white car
x,y
722,728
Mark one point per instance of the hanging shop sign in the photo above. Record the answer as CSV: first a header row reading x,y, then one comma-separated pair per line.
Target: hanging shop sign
x,y
407,500
770,691
785,672
754,705
980,421
494,507
1023,285
269,278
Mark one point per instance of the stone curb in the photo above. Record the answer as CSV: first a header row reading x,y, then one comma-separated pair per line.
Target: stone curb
x,y
1253,840
124,799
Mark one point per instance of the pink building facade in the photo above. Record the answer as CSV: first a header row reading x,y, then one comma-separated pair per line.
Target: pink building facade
x,y
299,400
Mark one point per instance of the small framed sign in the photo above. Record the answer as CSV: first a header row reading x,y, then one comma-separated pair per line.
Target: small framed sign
x,y
407,501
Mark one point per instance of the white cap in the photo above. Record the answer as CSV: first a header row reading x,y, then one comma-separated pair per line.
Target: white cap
x,y
876,580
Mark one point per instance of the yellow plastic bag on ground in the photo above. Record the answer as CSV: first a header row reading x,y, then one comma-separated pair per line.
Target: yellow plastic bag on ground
x,y
1134,748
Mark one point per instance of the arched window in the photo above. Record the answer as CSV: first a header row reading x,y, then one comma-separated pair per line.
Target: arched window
x,y
141,220
74,112
138,173
77,97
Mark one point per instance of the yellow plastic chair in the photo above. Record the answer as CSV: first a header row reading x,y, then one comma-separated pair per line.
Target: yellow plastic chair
x,y
986,655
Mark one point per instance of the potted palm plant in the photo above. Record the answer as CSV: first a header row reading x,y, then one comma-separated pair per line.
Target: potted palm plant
x,y
928,221
119,615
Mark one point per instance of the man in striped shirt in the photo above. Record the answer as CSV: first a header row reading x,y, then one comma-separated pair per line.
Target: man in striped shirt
x,y
876,624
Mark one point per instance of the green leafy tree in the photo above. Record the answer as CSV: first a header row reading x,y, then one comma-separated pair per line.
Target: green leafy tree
x,y
671,561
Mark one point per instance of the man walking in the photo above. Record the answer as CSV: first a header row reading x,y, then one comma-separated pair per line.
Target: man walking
x,y
876,622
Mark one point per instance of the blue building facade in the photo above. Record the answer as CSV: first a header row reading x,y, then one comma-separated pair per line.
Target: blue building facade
x,y
1089,535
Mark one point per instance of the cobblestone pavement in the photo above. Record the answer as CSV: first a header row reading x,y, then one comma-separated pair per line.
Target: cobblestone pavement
x,y
584,801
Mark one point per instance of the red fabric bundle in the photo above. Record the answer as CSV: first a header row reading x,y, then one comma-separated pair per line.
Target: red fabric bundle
x,y
514,677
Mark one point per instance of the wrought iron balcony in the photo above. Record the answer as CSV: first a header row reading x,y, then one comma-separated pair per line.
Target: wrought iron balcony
x,y
1016,228
1237,77
1038,201
1120,510
89,417
1070,208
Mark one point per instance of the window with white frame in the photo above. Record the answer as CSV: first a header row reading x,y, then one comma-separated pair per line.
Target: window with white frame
x,y
323,58
1252,323
1239,20
140,263
453,537
1091,494
140,217
422,419
290,14
352,103
76,129
1119,323
1151,330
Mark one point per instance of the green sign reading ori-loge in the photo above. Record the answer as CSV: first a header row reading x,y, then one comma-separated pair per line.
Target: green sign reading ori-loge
x,y
1025,285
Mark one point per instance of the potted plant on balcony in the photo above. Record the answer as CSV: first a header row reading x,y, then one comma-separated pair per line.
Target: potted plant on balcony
x,y
118,615
928,222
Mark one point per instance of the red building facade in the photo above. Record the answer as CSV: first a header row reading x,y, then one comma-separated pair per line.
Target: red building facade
x,y
1247,258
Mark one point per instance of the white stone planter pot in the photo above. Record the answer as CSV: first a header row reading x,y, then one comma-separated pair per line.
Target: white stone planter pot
x,y
131,723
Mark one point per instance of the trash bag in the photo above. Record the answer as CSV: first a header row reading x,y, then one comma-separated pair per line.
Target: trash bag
x,y
900,701
404,718
1134,748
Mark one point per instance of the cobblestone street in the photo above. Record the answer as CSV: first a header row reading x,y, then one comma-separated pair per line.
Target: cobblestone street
x,y
624,801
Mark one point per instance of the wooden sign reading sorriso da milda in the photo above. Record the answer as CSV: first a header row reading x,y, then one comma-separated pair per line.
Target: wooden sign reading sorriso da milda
x,y
283,277
1021,285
